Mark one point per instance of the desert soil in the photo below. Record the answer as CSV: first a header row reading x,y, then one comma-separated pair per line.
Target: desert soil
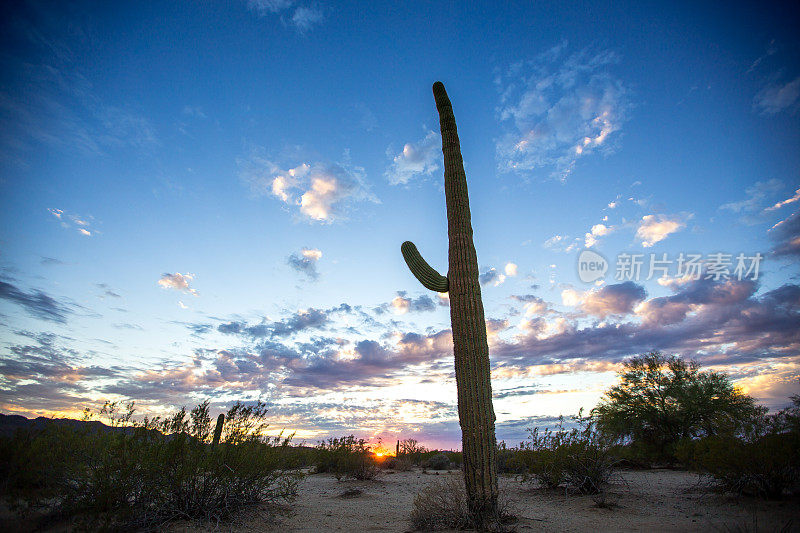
x,y
653,500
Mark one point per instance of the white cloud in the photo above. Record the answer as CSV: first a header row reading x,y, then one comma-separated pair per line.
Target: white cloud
x,y
320,192
557,109
194,111
511,269
561,243
598,230
269,6
81,223
783,203
178,282
656,228
305,18
777,97
417,159
312,253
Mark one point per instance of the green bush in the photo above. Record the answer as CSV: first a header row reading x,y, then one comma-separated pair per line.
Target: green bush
x,y
143,475
579,458
510,460
763,460
347,457
440,461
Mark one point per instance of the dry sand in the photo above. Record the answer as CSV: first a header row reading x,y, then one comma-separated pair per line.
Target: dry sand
x,y
654,500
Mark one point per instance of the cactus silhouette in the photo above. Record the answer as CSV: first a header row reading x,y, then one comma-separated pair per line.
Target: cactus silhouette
x,y
470,348
218,430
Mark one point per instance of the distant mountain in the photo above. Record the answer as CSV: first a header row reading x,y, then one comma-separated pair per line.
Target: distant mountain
x,y
11,423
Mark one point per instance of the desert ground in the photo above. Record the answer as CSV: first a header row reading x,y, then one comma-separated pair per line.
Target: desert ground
x,y
652,500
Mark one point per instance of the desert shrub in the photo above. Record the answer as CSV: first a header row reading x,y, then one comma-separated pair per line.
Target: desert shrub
x,y
347,457
763,460
413,451
443,505
398,463
579,458
440,461
509,460
457,458
134,476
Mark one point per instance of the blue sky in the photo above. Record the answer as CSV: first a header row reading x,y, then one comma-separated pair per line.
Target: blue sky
x,y
207,200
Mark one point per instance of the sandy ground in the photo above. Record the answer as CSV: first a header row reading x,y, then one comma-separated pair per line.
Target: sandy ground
x,y
655,500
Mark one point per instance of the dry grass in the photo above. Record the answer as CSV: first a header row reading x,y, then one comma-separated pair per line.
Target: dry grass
x,y
443,505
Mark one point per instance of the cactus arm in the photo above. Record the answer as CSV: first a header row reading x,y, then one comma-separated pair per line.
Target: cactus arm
x,y
425,273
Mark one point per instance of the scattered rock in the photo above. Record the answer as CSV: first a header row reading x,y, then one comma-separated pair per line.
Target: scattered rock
x,y
351,493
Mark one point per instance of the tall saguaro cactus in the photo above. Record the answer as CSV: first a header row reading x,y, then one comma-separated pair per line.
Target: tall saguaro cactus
x,y
471,350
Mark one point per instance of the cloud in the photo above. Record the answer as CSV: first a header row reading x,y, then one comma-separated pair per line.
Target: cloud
x,y
786,202
533,305
269,6
301,356
656,228
561,243
786,235
598,230
36,303
319,192
46,376
302,320
491,275
52,104
777,97
305,262
194,111
107,290
305,18
417,159
619,299
559,108
81,224
178,282
754,206
719,323
402,304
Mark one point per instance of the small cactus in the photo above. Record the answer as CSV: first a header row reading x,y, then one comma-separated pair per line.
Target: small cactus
x,y
470,347
218,430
